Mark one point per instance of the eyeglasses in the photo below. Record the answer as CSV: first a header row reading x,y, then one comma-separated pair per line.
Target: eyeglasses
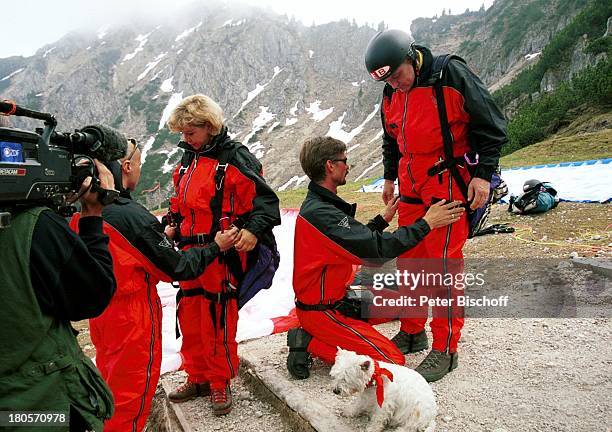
x,y
135,144
340,160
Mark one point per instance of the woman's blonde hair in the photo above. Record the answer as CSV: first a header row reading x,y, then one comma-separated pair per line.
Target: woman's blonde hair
x,y
197,111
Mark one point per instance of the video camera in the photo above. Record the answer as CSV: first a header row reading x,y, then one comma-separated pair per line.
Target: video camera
x,y
44,168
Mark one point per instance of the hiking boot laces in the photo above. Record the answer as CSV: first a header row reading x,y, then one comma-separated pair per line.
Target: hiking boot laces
x,y
183,387
433,360
218,396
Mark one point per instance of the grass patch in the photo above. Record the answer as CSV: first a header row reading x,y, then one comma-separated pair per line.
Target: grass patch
x,y
294,198
594,145
369,204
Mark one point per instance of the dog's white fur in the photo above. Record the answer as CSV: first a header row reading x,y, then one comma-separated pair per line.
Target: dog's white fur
x,y
409,404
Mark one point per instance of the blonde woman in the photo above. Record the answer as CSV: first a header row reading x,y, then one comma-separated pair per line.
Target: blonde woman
x,y
218,184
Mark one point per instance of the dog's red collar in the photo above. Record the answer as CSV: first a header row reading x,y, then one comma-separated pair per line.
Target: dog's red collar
x,y
377,380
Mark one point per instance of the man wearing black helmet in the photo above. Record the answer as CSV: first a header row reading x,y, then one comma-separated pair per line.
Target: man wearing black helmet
x,y
454,161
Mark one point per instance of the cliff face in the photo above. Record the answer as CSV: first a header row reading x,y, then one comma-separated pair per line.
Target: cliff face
x,y
278,81
509,36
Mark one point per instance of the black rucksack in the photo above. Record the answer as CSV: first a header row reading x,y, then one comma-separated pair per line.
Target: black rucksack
x,y
537,197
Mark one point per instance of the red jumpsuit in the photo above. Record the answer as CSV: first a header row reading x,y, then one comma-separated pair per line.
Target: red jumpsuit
x,y
208,326
329,242
127,335
412,144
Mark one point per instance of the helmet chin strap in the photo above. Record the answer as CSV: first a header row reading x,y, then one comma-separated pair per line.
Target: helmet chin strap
x,y
416,66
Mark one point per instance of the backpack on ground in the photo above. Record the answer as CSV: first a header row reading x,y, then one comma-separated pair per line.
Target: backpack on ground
x,y
537,197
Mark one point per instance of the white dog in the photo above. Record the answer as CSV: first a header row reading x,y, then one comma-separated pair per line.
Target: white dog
x,y
408,403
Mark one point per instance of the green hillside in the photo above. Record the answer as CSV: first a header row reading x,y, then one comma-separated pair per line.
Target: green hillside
x,y
542,115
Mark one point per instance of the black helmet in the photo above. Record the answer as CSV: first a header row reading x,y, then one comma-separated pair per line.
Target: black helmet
x,y
532,184
386,51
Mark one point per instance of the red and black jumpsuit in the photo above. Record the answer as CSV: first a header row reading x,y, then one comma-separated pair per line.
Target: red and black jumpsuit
x,y
127,335
412,144
208,326
329,243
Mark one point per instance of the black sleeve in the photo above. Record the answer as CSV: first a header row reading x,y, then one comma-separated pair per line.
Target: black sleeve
x,y
377,224
266,212
359,240
390,150
72,275
487,127
177,266
154,251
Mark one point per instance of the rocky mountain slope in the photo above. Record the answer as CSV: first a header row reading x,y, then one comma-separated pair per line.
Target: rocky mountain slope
x,y
278,81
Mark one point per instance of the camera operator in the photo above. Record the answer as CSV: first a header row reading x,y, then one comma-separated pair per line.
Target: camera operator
x,y
51,276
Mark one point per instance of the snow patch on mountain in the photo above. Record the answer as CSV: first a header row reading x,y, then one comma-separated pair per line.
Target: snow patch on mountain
x,y
295,180
151,65
258,89
175,99
317,113
142,41
336,128
188,32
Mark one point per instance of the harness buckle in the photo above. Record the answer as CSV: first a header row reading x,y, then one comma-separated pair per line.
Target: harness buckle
x,y
201,239
230,286
220,175
440,162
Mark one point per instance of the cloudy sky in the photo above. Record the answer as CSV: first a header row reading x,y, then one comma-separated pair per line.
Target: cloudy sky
x,y
29,24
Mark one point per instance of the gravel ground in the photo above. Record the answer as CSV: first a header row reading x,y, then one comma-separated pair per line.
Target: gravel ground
x,y
513,375
248,414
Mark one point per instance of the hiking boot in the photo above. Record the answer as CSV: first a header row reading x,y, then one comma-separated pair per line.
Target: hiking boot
x,y
437,364
221,400
188,391
298,361
410,343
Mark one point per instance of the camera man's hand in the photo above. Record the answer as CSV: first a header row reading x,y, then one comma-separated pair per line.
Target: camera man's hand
x,y
90,205
226,239
391,209
388,191
246,241
441,214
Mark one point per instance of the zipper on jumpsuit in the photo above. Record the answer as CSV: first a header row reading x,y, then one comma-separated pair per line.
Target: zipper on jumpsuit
x,y
151,354
323,273
195,165
406,145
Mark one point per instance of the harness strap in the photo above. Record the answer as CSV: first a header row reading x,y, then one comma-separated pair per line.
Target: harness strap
x,y
470,158
319,307
219,297
410,200
198,239
448,138
439,68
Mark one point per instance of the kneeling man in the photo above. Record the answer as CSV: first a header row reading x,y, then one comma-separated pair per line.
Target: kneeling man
x,y
328,243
